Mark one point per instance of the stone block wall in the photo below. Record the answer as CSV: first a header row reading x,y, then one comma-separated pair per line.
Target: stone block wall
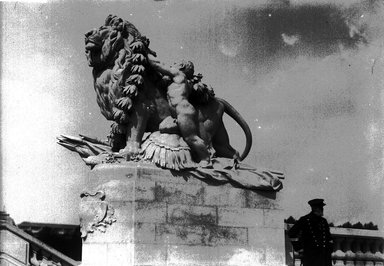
x,y
165,218
13,249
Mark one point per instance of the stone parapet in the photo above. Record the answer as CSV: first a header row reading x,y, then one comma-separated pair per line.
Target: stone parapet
x,y
351,247
18,248
143,215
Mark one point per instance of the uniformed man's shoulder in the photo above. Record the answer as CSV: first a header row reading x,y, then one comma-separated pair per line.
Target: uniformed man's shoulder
x,y
305,217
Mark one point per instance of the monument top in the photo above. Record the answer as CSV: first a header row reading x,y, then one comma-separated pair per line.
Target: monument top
x,y
163,115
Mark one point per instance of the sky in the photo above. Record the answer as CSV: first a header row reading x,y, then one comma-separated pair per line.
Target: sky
x,y
306,75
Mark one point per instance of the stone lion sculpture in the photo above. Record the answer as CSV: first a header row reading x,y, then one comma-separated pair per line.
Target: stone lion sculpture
x,y
133,94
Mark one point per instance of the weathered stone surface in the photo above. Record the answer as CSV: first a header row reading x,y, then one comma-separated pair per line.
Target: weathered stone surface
x,y
273,218
124,211
119,190
224,196
265,237
274,256
182,234
94,254
242,256
145,233
219,196
200,235
118,233
150,254
120,254
179,193
224,235
240,217
182,255
154,212
151,172
106,172
193,215
145,190
262,199
171,221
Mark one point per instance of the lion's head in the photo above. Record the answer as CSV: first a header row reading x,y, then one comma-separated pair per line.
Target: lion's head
x,y
103,44
118,54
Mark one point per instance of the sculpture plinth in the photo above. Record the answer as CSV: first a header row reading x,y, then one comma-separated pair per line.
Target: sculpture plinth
x,y
144,215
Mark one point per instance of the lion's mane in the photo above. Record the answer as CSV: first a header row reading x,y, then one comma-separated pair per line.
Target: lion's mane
x,y
122,51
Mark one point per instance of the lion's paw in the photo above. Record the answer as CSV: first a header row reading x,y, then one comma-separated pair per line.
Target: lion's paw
x,y
131,152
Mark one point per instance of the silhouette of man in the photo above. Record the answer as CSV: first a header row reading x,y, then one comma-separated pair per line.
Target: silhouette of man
x,y
314,236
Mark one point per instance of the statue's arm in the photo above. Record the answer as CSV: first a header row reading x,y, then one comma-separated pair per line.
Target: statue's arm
x,y
163,69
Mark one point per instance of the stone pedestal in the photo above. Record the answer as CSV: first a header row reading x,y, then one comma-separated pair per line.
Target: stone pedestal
x,y
143,215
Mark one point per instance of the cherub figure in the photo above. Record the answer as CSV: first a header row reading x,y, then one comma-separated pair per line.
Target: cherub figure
x,y
182,110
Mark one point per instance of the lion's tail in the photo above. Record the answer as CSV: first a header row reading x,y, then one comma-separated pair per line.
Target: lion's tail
x,y
232,112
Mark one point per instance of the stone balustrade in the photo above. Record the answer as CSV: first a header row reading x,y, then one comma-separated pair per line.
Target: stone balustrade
x,y
20,249
40,256
352,247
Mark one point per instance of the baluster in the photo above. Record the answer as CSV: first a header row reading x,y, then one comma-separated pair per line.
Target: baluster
x,y
33,260
349,254
378,252
49,262
338,255
368,252
297,262
297,259
46,259
45,262
359,254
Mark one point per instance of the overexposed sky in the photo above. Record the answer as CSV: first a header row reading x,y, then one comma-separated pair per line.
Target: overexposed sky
x,y
306,75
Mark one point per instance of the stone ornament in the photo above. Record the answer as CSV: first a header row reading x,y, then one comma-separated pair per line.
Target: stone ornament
x,y
95,213
162,115
131,91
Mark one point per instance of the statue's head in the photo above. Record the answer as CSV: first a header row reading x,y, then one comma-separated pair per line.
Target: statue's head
x,y
187,68
102,44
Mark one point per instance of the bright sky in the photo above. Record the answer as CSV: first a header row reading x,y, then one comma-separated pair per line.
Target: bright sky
x,y
306,76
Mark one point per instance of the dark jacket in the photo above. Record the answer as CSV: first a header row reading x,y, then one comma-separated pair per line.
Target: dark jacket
x,y
315,239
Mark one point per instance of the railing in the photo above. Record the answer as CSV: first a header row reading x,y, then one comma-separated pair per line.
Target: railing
x,y
352,247
18,248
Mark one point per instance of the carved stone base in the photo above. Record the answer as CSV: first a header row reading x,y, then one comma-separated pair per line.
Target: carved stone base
x,y
144,215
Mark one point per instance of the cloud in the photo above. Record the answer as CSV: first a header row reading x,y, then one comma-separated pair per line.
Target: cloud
x,y
290,39
268,33
345,3
229,50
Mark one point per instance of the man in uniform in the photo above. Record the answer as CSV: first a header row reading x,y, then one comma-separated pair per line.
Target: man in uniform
x,y
314,236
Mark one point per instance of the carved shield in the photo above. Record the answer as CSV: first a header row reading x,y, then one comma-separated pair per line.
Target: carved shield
x,y
95,213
